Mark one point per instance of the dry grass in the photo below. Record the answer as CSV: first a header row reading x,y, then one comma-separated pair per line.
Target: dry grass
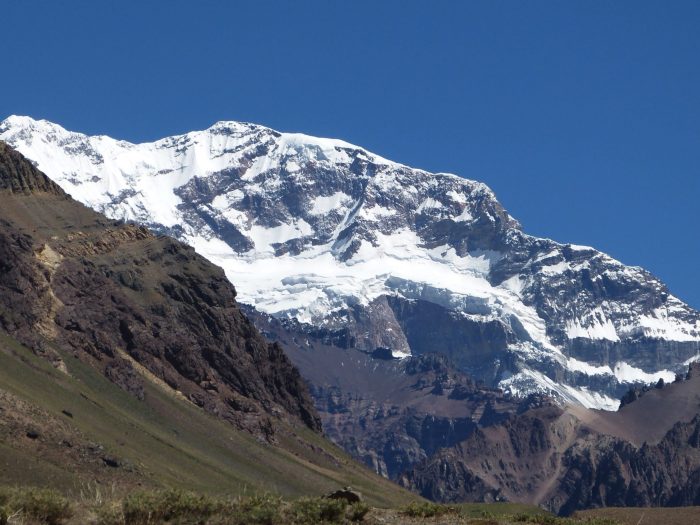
x,y
647,516
29,506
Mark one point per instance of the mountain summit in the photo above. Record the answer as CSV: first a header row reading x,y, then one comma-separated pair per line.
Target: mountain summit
x,y
370,254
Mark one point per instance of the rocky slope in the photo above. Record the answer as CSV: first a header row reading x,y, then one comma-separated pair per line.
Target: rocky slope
x,y
647,454
368,254
391,414
134,305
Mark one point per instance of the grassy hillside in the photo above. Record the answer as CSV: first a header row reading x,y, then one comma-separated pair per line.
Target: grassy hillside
x,y
70,430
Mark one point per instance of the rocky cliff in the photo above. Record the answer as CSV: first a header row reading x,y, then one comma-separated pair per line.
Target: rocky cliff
x,y
647,454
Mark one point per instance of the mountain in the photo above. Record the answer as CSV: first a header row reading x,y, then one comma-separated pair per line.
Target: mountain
x,y
125,359
565,459
367,254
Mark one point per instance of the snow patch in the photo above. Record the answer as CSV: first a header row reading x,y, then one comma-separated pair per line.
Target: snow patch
x,y
626,373
457,197
263,237
529,381
376,213
464,216
595,326
622,371
429,204
557,268
324,204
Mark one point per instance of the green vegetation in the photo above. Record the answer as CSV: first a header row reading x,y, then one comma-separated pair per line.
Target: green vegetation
x,y
490,514
32,504
258,510
426,509
175,507
499,510
554,520
358,511
151,508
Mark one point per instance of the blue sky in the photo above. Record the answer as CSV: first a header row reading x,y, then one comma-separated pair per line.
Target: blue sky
x,y
583,116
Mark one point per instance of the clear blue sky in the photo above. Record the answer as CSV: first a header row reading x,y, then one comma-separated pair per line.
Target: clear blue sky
x,y
583,116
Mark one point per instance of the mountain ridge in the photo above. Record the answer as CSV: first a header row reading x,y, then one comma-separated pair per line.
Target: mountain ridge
x,y
333,236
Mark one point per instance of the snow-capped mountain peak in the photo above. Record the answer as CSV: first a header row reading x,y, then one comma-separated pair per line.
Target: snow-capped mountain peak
x,y
346,242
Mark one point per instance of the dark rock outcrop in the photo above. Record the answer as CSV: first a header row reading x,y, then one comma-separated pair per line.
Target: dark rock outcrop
x,y
17,175
346,494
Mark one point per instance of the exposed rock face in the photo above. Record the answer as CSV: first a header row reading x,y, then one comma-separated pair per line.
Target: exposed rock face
x,y
367,253
617,474
647,454
391,414
134,305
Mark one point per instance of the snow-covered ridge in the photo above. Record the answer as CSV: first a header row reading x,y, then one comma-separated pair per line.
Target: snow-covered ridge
x,y
313,228
141,182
